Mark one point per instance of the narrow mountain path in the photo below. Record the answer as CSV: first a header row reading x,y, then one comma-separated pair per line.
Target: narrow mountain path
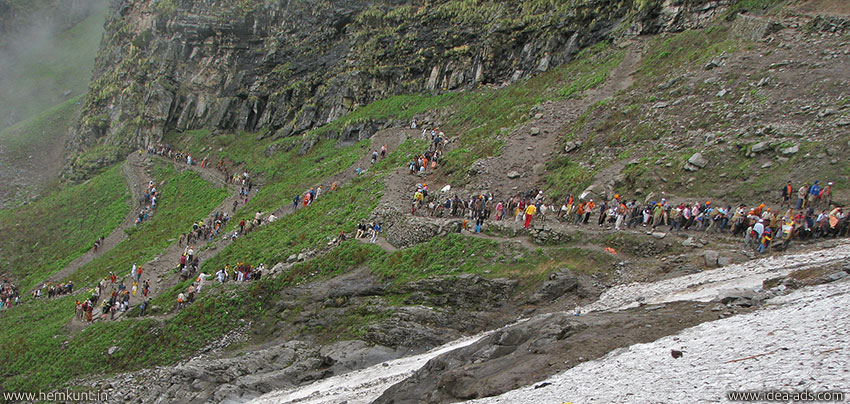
x,y
162,270
392,138
136,179
380,242
525,153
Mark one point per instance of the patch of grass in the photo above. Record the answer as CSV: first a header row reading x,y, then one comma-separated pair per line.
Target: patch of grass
x,y
590,69
41,130
565,176
585,261
42,237
687,49
308,227
455,254
186,197
752,6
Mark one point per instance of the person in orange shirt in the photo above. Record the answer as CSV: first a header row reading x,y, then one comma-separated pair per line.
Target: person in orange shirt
x,y
588,210
579,213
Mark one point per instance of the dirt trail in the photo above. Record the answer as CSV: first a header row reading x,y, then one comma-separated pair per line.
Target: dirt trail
x,y
136,179
380,242
161,270
392,138
522,151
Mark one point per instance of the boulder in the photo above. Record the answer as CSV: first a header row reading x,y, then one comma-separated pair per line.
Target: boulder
x,y
827,112
534,131
790,150
690,167
691,242
698,160
538,168
724,261
759,147
658,234
513,174
277,268
559,283
711,258
112,350
570,146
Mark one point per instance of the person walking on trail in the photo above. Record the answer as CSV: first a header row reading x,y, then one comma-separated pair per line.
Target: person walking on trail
x,y
588,209
530,211
383,151
143,307
375,232
801,196
138,274
786,193
374,156
295,201
826,195
814,194
202,277
478,222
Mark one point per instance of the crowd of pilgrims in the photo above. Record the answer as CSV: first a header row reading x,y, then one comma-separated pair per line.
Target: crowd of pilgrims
x,y
147,204
165,150
810,215
54,289
430,157
118,300
803,213
8,295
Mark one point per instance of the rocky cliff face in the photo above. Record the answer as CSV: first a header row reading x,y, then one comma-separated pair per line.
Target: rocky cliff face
x,y
284,67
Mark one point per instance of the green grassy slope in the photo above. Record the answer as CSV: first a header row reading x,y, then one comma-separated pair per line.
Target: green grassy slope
x,y
186,198
45,354
42,237
40,131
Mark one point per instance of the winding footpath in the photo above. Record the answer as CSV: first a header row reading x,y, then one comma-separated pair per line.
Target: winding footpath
x,y
136,179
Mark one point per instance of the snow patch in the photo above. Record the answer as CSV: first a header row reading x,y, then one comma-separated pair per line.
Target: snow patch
x,y
799,342
706,285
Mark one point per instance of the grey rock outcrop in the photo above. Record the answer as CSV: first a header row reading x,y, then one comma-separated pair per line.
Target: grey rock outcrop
x,y
286,67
